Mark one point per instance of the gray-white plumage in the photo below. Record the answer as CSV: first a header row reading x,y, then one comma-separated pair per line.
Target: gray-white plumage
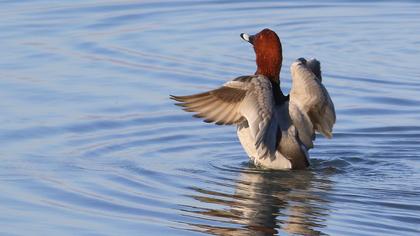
x,y
310,96
275,136
244,99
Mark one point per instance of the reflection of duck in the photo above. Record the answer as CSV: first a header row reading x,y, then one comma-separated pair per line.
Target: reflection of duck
x,y
275,131
266,202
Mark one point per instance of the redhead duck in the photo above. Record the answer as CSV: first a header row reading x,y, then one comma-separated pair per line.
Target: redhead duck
x,y
276,131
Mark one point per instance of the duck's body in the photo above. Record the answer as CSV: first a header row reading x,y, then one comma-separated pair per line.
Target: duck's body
x,y
276,132
287,143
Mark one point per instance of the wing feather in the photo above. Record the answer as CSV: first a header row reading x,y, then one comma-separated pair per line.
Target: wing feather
x,y
311,98
247,98
315,66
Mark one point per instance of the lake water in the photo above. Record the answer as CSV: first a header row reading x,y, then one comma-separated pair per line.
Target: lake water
x,y
92,145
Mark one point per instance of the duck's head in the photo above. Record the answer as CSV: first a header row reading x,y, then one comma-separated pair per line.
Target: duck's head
x,y
268,51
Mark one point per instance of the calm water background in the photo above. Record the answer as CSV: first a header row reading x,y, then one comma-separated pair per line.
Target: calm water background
x,y
91,144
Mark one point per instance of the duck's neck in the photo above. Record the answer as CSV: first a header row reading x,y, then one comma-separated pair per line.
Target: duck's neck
x,y
279,97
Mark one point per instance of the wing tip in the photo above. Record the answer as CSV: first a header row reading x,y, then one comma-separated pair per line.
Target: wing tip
x,y
175,98
327,134
179,102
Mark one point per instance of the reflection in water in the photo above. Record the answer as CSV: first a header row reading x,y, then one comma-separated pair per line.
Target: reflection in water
x,y
266,202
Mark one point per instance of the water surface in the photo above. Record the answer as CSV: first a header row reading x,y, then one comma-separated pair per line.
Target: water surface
x,y
91,144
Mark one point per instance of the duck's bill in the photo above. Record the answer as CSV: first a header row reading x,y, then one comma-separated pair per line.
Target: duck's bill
x,y
248,38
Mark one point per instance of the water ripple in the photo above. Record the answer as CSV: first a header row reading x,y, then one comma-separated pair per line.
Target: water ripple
x,y
92,144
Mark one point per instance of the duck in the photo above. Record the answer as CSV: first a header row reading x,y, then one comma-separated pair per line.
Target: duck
x,y
276,131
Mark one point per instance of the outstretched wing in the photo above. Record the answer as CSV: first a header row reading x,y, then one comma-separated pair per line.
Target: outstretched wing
x,y
244,98
311,107
315,66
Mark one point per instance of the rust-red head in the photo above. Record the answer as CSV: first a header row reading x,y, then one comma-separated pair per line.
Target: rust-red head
x,y
268,51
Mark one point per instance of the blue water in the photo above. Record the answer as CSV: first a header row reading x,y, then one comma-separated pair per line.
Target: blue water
x,y
90,144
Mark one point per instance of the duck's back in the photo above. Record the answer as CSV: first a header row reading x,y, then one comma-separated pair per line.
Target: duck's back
x,y
289,154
